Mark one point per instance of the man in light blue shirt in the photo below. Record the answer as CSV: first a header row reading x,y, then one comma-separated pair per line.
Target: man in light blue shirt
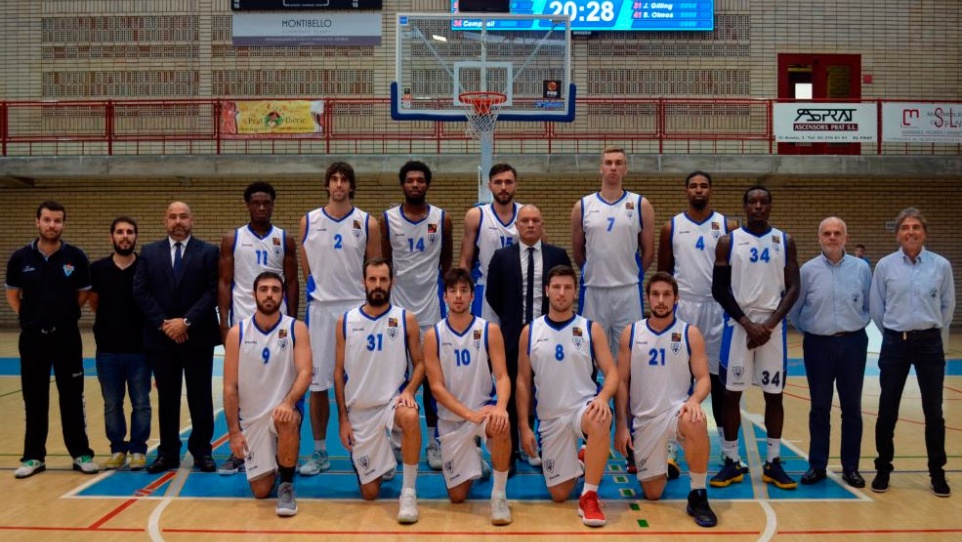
x,y
912,300
833,310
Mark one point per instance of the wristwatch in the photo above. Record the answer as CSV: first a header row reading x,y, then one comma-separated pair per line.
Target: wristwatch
x,y
186,322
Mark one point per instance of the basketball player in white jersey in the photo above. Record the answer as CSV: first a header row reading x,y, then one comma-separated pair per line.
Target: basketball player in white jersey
x,y
657,360
246,252
756,281
686,250
563,351
375,393
267,368
465,365
416,238
488,228
337,239
608,229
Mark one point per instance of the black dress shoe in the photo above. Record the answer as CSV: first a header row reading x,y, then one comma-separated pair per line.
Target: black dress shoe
x,y
162,464
205,463
813,476
853,479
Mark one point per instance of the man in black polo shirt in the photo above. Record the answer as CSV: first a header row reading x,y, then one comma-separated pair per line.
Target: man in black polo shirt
x,y
121,361
47,283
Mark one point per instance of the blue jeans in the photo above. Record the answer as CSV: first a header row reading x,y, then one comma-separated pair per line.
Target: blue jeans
x,y
114,371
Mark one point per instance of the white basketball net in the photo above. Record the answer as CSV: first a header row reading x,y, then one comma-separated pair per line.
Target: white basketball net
x,y
482,114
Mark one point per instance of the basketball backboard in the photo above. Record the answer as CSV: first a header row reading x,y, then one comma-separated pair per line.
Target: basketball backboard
x,y
441,56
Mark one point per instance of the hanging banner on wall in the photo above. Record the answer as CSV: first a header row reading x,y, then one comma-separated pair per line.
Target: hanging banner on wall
x,y
272,117
811,122
921,123
307,29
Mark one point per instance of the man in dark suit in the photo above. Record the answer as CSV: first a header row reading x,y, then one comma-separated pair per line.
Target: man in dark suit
x,y
515,291
176,288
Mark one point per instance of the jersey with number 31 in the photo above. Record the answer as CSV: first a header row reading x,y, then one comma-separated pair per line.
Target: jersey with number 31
x,y
375,357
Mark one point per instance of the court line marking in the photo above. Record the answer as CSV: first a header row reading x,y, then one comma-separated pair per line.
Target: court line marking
x,y
771,522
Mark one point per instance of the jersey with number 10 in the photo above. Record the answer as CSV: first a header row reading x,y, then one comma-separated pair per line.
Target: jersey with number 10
x,y
562,360
464,363
758,268
660,370
693,246
375,357
335,252
611,240
265,367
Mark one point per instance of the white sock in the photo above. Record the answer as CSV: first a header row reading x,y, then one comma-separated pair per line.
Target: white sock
x,y
320,445
500,482
409,476
730,447
774,448
698,480
589,487
432,441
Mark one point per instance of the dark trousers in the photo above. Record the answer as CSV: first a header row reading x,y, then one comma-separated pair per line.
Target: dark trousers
x,y
171,367
922,349
835,362
62,350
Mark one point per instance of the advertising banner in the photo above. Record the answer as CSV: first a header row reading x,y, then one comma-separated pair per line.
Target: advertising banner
x,y
244,117
921,123
810,122
306,29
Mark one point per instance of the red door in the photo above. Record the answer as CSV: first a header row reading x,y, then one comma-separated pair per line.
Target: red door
x,y
824,78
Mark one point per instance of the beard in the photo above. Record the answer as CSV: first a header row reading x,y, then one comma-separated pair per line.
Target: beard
x,y
665,314
124,251
503,199
416,200
268,307
699,204
378,297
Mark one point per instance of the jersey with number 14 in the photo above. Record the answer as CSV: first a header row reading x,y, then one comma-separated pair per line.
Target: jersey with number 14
x,y
693,246
375,357
758,268
464,363
265,367
660,370
562,360
611,240
253,255
416,253
335,252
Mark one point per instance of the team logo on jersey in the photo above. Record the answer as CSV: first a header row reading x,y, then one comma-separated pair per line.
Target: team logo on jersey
x,y
449,467
276,241
282,339
715,230
675,342
642,464
364,461
432,233
855,298
576,337
477,338
629,209
392,327
738,372
549,465
357,229
933,293
776,243
68,269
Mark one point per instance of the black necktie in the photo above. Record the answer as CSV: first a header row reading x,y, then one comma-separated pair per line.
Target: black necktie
x,y
529,295
178,259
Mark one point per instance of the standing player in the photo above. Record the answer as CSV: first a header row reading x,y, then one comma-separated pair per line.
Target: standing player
x,y
375,395
686,250
608,228
488,228
564,351
657,361
337,239
461,354
416,239
267,368
246,252
755,280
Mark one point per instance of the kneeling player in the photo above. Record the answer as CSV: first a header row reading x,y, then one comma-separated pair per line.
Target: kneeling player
x,y
657,360
461,353
374,400
267,369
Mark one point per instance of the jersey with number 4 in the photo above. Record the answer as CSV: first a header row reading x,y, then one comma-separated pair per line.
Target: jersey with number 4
x,y
660,370
464,363
758,268
375,357
562,360
611,240
253,255
492,235
265,367
335,252
416,255
693,246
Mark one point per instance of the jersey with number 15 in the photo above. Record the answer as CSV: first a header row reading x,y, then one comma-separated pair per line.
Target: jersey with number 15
x,y
335,253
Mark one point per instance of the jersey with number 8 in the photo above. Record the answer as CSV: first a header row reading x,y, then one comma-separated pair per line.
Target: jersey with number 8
x,y
562,360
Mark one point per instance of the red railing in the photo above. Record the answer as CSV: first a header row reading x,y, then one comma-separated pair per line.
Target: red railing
x,y
364,125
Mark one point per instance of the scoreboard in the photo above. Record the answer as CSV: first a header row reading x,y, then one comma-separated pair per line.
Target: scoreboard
x,y
611,15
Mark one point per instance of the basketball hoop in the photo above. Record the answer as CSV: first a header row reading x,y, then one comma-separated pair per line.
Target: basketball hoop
x,y
481,108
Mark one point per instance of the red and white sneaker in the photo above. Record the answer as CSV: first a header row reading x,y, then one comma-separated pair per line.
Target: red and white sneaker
x,y
590,510
581,458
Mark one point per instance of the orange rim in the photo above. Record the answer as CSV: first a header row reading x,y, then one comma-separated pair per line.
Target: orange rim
x,y
482,100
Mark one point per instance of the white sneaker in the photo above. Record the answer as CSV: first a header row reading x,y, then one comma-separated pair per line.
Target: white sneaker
x,y
500,511
318,462
85,464
408,509
434,456
286,503
28,468
534,461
